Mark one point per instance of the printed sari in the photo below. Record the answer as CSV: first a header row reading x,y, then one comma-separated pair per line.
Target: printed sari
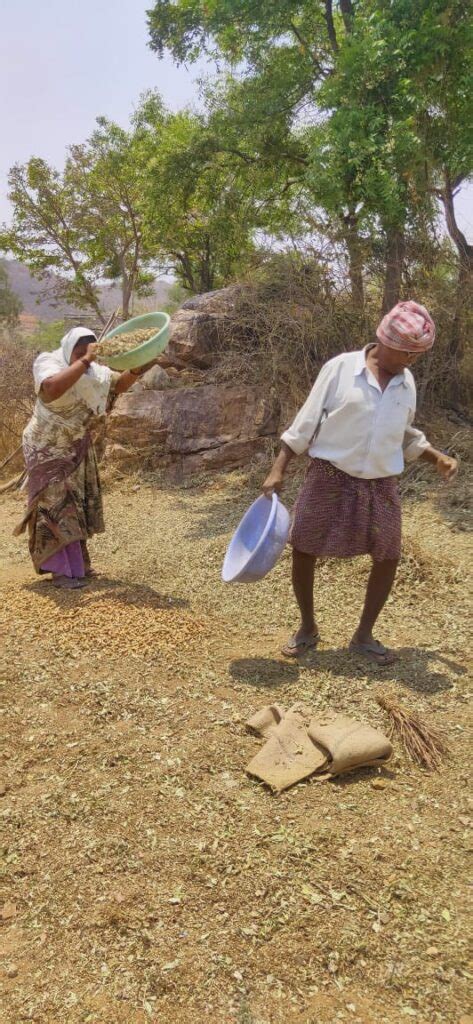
x,y
63,482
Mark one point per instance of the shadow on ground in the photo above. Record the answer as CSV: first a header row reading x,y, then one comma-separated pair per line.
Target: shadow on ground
x,y
263,672
413,670
104,588
218,518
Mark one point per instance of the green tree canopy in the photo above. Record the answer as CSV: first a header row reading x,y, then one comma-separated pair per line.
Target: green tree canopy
x,y
354,98
84,223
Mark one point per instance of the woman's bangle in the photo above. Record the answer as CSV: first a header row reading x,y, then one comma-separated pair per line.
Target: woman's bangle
x,y
136,373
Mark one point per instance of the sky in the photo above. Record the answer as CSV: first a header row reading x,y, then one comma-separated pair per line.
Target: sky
x,y
63,64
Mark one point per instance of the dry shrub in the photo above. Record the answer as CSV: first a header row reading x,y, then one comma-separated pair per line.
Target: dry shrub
x,y
292,316
283,325
454,501
16,396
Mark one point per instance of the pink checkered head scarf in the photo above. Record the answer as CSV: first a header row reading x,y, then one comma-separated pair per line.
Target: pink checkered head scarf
x,y
408,327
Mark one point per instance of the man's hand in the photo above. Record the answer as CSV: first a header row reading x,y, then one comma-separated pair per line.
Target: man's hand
x,y
273,483
275,479
447,467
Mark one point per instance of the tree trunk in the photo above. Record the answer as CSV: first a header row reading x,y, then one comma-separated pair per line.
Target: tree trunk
x,y
346,10
127,290
126,299
206,272
86,293
395,250
332,34
464,290
186,271
355,260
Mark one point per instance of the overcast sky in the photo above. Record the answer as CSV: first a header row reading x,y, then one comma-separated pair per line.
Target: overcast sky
x,y
62,64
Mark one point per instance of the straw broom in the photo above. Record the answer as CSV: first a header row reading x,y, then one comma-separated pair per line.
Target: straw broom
x,y
421,742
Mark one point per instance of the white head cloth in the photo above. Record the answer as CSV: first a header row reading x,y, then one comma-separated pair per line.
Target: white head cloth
x,y
94,385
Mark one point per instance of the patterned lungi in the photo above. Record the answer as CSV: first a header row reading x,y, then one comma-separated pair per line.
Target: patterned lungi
x,y
340,516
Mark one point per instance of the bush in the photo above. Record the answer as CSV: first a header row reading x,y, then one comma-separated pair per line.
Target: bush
x,y
16,394
292,316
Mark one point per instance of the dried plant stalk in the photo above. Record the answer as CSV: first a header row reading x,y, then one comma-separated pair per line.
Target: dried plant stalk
x,y
422,743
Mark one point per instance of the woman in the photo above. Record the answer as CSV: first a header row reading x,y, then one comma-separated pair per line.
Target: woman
x,y
357,428
64,492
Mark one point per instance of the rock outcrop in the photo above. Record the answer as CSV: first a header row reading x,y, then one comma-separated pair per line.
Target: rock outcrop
x,y
196,330
177,418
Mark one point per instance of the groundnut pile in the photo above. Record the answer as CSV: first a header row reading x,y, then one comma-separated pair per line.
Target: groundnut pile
x,y
127,618
125,342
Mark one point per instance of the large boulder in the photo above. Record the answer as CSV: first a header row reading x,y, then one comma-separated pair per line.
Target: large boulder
x,y
190,428
196,330
155,379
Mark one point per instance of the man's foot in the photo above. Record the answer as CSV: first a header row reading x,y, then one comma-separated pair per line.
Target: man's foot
x,y
373,650
68,583
300,642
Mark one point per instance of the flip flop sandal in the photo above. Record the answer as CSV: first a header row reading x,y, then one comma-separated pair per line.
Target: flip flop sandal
x,y
92,574
294,648
374,651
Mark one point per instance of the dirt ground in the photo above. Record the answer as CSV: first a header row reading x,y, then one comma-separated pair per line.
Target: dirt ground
x,y
145,877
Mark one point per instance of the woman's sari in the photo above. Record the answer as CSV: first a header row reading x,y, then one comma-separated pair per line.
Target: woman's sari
x,y
63,482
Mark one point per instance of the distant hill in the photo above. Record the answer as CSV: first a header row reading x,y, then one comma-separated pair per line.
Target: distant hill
x,y
37,302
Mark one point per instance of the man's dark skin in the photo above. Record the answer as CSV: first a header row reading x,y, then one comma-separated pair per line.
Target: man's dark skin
x,y
384,364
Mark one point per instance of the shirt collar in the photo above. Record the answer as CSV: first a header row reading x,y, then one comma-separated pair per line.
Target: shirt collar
x,y
361,367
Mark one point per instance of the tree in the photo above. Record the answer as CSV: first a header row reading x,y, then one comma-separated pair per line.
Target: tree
x,y
83,224
108,177
10,304
47,231
349,84
445,117
199,217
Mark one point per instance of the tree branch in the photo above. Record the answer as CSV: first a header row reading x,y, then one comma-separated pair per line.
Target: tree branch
x,y
243,156
306,48
465,250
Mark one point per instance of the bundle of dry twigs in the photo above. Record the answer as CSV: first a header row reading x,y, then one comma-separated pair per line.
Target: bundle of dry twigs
x,y
421,742
109,325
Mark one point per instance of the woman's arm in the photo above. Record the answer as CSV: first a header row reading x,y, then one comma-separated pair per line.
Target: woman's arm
x,y
130,377
57,385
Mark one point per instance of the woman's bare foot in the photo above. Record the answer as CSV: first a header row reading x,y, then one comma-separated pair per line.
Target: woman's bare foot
x,y
67,583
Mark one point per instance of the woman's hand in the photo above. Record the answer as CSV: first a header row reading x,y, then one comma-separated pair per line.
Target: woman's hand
x,y
274,482
447,467
91,352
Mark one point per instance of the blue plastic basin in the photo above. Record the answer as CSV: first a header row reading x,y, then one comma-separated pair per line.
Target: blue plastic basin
x,y
258,542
